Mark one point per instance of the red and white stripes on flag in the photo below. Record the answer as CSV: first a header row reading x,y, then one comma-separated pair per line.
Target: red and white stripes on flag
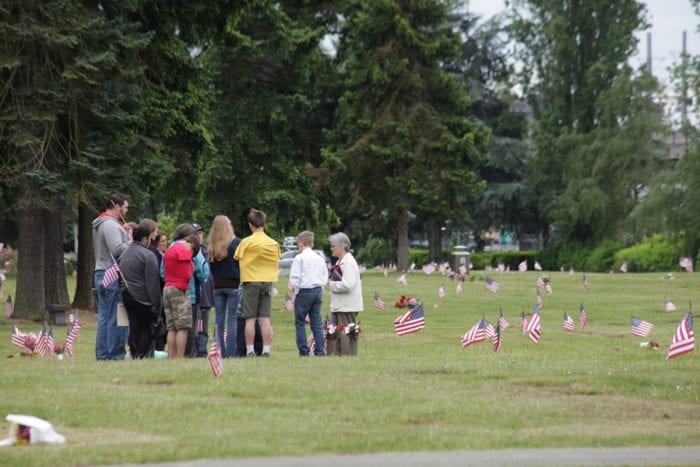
x,y
402,279
533,325
686,263
569,324
111,274
378,302
42,345
429,268
411,321
441,291
537,266
640,327
497,339
481,331
623,267
72,336
684,338
582,316
462,270
459,288
18,339
502,321
215,360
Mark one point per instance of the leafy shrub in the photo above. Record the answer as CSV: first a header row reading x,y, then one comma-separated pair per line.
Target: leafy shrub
x,y
653,254
376,251
420,257
602,257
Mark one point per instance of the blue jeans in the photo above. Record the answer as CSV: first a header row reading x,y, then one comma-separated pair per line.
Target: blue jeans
x,y
111,339
308,301
226,307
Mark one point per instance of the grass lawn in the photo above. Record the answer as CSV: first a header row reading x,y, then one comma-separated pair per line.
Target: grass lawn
x,y
590,387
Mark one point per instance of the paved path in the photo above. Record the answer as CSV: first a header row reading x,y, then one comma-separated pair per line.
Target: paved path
x,y
506,457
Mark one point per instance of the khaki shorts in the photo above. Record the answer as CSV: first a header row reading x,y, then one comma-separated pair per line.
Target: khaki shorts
x,y
256,300
178,310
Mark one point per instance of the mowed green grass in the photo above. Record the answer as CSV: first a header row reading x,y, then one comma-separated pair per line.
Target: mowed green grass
x,y
591,387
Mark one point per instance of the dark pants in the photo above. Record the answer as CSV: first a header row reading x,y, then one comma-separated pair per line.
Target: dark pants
x,y
308,302
203,336
140,321
191,347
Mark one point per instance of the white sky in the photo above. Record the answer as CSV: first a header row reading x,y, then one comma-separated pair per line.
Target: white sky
x,y
668,18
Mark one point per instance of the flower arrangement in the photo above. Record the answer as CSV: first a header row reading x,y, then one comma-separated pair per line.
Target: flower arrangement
x,y
333,331
59,348
405,301
353,330
30,341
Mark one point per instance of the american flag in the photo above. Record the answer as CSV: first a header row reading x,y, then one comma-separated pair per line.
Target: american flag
x,y
402,279
683,340
571,271
640,327
669,306
569,324
288,302
275,292
548,287
533,325
429,268
537,266
50,342
378,302
411,321
462,269
312,345
538,297
72,336
582,316
502,321
9,308
623,267
18,339
459,287
540,283
441,291
523,322
497,339
501,267
584,284
686,263
492,285
215,360
386,272
478,333
42,343
522,267
111,274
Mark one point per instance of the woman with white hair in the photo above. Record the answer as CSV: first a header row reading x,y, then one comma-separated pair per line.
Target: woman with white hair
x,y
346,294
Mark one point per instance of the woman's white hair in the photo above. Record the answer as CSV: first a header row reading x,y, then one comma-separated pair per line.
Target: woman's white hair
x,y
341,240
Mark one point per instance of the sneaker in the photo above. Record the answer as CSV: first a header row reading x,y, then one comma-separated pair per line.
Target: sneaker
x,y
251,354
266,354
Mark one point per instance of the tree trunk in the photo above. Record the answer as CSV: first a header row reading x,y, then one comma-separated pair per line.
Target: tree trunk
x,y
83,299
56,287
29,296
402,231
434,240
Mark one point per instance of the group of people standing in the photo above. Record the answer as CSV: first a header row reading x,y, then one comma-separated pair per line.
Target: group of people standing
x,y
173,287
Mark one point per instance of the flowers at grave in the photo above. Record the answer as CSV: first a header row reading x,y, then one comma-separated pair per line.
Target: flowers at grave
x,y
333,331
406,302
353,330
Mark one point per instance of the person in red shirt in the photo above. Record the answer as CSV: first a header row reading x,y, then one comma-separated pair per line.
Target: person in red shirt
x,y
178,269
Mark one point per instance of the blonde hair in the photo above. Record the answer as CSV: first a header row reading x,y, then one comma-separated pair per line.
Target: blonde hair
x,y
306,238
220,236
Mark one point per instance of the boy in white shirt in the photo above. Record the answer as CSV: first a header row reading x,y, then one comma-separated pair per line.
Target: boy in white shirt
x,y
307,277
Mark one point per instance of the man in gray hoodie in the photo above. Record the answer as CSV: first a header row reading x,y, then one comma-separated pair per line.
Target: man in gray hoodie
x,y
110,241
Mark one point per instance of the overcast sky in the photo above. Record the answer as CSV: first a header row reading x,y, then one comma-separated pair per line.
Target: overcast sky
x,y
668,19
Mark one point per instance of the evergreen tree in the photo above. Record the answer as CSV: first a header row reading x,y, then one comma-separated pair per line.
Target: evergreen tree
x,y
402,142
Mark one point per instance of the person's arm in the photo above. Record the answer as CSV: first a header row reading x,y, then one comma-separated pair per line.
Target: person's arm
x,y
153,284
201,268
240,250
295,274
113,239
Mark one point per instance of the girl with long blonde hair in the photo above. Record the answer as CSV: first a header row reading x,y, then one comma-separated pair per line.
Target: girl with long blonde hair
x,y
227,277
